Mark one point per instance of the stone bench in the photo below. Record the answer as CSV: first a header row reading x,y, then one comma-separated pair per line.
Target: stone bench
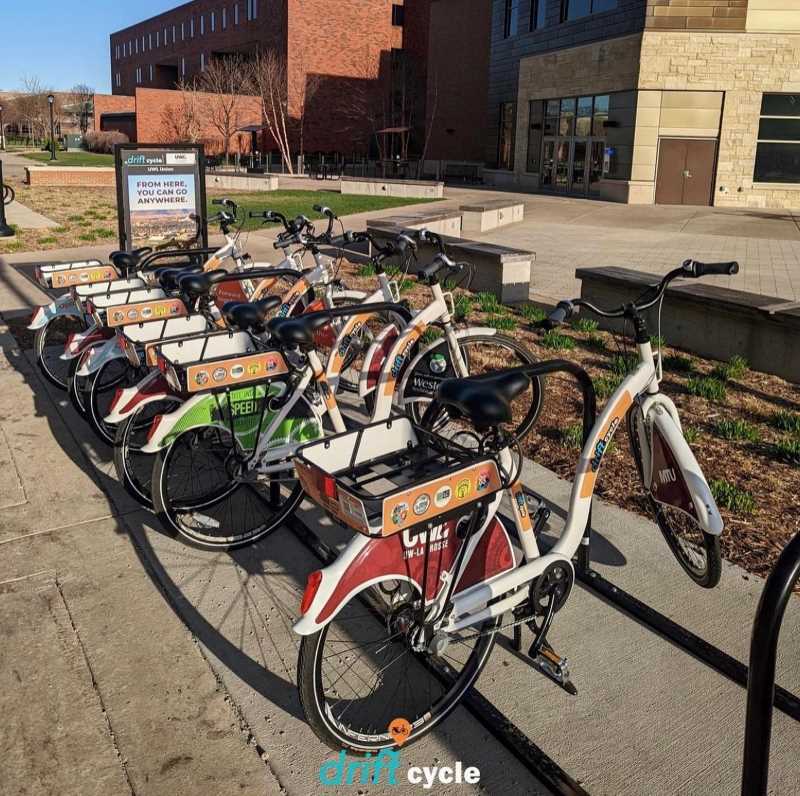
x,y
442,222
379,186
501,270
706,318
484,216
241,182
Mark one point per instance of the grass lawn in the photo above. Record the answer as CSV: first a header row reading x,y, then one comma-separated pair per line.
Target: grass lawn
x,y
72,159
293,203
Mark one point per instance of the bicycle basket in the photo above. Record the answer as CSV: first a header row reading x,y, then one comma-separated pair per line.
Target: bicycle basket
x,y
394,475
133,337
217,361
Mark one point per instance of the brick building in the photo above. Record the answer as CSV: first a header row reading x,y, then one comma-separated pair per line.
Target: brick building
x,y
349,47
642,101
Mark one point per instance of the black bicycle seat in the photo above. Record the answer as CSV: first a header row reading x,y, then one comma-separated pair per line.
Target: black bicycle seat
x,y
484,400
249,315
298,331
168,278
200,283
125,261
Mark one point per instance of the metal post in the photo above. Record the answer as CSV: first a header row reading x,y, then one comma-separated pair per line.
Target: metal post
x,y
5,230
2,132
761,674
50,101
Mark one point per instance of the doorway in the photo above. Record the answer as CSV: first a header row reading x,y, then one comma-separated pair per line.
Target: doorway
x,y
685,171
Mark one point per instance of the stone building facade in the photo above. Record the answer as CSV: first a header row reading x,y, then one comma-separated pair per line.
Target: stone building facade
x,y
700,105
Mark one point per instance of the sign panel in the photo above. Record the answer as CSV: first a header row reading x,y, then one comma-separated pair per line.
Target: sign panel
x,y
235,371
85,276
161,196
141,312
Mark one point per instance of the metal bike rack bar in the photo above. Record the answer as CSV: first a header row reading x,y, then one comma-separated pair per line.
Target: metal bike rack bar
x,y
5,230
761,679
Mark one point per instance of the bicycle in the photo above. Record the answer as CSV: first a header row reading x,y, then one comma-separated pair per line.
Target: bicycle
x,y
403,621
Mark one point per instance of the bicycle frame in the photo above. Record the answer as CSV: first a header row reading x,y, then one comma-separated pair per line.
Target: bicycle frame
x,y
365,560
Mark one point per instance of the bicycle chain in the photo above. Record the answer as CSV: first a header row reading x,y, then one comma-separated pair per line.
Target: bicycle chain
x,y
517,622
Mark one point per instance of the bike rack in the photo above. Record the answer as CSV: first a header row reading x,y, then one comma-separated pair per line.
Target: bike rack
x,y
5,230
761,679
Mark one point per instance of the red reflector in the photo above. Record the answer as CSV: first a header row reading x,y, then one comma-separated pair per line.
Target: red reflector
x,y
156,422
312,587
329,488
162,363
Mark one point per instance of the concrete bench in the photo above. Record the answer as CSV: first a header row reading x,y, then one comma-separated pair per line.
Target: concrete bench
x,y
241,182
500,270
708,319
484,216
379,186
442,222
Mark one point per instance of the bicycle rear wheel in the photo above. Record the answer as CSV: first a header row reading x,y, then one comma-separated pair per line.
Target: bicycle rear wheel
x,y
696,550
359,672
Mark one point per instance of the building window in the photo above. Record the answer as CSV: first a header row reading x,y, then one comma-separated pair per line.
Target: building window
x,y
144,47
224,18
398,15
535,125
202,24
150,40
183,67
575,9
151,73
183,31
202,62
119,79
538,14
136,45
778,148
158,39
191,28
511,19
235,13
213,21
505,140
116,52
138,74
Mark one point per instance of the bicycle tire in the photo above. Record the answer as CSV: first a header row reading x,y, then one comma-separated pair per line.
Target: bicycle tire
x,y
99,384
707,576
55,370
310,684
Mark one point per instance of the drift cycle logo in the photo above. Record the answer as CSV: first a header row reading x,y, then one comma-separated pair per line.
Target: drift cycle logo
x,y
383,767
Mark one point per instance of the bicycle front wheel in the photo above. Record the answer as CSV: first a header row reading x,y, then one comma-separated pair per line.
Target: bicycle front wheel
x,y
696,550
360,672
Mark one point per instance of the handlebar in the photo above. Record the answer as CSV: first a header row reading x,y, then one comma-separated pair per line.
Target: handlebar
x,y
689,269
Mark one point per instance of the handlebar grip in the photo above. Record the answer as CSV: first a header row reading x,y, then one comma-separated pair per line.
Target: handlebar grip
x,y
696,269
560,314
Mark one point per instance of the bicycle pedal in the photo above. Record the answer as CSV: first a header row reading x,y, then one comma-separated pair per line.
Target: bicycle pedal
x,y
540,519
553,667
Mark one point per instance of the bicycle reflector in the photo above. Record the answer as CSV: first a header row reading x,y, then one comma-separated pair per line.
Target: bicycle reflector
x,y
329,488
312,587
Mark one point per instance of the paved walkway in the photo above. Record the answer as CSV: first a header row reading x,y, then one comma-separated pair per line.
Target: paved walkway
x,y
134,664
17,213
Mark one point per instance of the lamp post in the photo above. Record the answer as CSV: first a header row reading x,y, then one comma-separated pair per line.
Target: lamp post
x,y
50,100
2,132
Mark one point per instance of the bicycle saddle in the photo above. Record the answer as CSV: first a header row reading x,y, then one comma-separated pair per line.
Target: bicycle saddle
x,y
249,315
167,278
298,331
126,261
484,400
200,283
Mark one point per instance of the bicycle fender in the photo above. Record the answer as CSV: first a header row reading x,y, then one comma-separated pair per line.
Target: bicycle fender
x,y
375,357
367,560
675,478
64,305
98,355
153,387
432,365
195,412
79,342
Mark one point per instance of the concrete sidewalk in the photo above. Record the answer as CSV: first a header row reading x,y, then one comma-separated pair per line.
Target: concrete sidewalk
x,y
135,664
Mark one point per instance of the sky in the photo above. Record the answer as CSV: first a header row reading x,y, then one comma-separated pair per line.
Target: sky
x,y
65,43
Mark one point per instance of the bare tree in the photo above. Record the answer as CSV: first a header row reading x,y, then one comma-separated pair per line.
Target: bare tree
x,y
32,108
270,83
181,120
226,79
82,97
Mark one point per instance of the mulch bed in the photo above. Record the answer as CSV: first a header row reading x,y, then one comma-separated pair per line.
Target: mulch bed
x,y
754,535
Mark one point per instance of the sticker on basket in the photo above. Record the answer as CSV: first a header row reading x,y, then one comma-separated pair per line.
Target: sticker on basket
x,y
345,507
85,276
200,378
240,370
145,311
449,492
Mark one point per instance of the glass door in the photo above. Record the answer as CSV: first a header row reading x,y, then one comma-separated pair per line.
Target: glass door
x,y
596,165
579,164
563,150
547,177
